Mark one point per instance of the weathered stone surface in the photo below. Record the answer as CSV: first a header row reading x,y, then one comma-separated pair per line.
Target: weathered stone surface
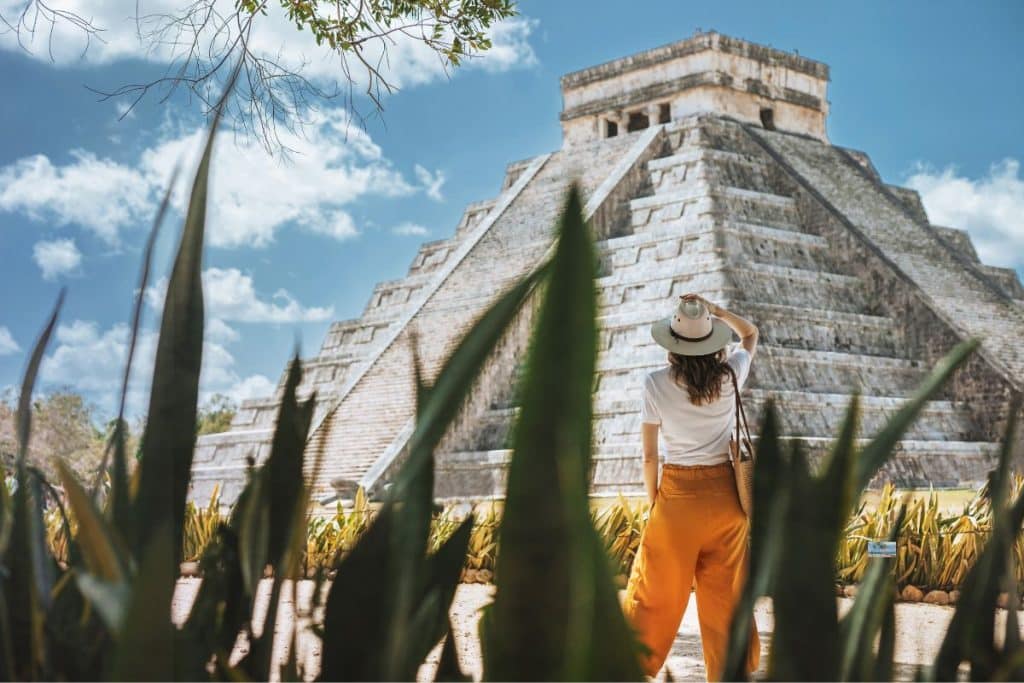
x,y
850,285
936,598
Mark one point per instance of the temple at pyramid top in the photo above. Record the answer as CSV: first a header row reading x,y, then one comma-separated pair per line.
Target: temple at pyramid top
x,y
708,72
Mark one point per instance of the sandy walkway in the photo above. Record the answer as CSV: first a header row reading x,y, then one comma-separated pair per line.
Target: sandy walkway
x,y
920,628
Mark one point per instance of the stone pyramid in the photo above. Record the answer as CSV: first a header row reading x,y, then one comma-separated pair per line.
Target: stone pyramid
x,y
706,168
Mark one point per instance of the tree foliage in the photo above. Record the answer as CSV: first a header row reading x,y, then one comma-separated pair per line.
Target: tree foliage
x,y
216,414
63,427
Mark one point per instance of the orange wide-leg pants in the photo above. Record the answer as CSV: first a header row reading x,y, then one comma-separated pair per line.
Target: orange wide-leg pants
x,y
696,529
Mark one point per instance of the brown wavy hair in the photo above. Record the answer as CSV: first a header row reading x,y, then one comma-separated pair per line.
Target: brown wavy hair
x,y
701,376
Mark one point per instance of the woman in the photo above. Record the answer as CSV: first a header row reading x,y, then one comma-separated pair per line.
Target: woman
x,y
697,529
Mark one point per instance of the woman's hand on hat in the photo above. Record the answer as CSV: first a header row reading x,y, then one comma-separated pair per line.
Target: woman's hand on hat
x,y
692,296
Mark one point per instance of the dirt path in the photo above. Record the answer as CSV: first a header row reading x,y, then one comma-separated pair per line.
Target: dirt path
x,y
920,628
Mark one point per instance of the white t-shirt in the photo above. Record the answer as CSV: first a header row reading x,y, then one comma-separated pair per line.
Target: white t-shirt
x,y
693,435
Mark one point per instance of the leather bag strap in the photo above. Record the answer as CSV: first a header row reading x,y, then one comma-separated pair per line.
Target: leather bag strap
x,y
741,414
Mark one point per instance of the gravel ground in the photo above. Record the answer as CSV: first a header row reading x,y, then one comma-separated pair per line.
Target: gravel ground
x,y
920,628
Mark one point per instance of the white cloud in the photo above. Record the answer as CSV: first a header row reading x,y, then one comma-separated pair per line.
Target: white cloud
x,y
410,229
990,208
124,110
254,195
432,182
254,386
511,45
408,62
56,258
231,295
100,195
219,331
7,344
91,360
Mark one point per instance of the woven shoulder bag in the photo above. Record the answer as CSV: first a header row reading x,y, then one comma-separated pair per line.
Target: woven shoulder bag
x,y
741,450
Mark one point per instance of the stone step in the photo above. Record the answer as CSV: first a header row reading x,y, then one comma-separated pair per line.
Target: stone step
x,y
780,234
797,327
764,283
690,246
775,368
802,413
824,330
357,336
739,283
951,286
915,464
687,155
756,207
781,368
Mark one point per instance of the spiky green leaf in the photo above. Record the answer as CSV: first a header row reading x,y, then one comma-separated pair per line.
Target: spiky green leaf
x,y
551,557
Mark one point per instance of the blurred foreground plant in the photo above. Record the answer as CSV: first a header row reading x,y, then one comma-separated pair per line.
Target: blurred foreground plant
x,y
104,610
796,537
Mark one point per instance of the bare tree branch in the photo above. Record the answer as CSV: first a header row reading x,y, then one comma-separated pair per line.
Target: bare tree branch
x,y
204,42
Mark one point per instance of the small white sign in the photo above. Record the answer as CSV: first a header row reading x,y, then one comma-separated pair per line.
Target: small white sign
x,y
881,548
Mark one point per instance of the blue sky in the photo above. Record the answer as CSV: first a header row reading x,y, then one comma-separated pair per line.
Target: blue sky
x,y
930,90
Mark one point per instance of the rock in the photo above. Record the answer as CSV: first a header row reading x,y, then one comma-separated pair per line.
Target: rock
x,y
937,598
189,568
1002,600
850,591
268,572
471,576
911,594
620,580
484,575
953,597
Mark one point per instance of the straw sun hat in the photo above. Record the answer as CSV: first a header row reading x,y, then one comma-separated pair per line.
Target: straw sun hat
x,y
691,331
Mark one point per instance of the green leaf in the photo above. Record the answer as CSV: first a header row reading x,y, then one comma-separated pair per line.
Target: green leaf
x,y
449,670
254,535
551,557
145,650
440,403
839,480
886,646
170,433
27,558
439,583
374,593
880,449
359,607
283,469
970,635
120,497
97,541
866,619
766,528
110,599
803,592
222,606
